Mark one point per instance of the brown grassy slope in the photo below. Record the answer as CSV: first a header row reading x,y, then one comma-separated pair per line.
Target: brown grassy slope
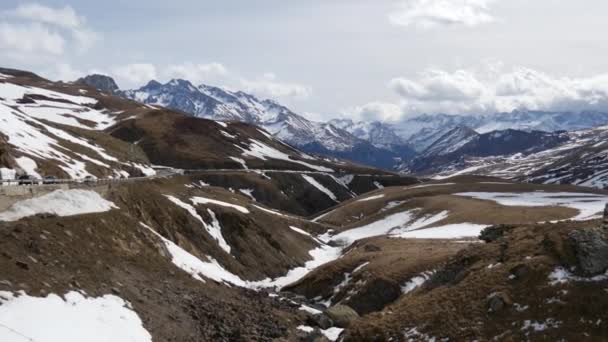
x,y
455,303
437,197
110,253
389,263
262,243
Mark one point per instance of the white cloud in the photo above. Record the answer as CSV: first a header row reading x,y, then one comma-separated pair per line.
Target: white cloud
x,y
65,17
16,39
34,31
197,73
375,111
427,14
491,90
269,86
135,74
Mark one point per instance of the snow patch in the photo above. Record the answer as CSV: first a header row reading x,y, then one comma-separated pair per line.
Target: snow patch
x,y
59,202
371,198
320,187
262,151
203,200
214,229
195,266
588,205
450,231
74,318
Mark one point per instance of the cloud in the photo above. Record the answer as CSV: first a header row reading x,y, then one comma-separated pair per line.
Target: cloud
x,y
197,72
135,73
494,89
488,89
65,17
375,111
428,14
34,31
31,38
269,86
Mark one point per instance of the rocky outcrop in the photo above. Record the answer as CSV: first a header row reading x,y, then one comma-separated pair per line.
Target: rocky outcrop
x,y
342,315
591,248
100,82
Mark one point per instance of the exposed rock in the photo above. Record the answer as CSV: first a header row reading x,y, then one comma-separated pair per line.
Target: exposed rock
x,y
520,271
321,320
100,82
342,315
494,233
375,295
591,250
499,301
22,264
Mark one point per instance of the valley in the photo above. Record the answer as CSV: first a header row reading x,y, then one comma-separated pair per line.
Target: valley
x,y
162,226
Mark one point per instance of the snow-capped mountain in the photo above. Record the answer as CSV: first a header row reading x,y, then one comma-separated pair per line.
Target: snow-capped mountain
x,y
224,105
385,145
450,152
421,131
379,134
450,142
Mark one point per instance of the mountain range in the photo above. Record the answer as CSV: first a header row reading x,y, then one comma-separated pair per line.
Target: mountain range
x,y
137,222
422,144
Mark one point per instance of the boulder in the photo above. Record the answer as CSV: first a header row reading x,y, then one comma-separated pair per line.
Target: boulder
x,y
321,320
591,250
374,295
498,301
494,233
342,315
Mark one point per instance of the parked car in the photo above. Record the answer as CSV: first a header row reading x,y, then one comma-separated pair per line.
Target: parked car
x,y
49,180
26,180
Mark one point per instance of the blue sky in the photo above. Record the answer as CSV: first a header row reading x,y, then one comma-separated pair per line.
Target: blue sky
x,y
373,60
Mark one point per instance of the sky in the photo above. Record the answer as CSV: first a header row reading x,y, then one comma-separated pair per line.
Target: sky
x,y
381,60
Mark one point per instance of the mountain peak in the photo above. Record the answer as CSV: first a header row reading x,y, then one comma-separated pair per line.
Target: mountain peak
x,y
100,82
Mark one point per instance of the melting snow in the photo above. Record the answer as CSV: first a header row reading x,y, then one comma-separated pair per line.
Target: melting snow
x,y
73,319
380,227
240,161
310,310
213,229
333,333
320,187
588,205
248,193
416,282
320,256
59,202
203,200
298,230
450,231
29,166
561,275
195,266
371,198
262,151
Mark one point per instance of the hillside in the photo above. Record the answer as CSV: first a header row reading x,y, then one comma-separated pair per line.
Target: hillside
x,y
233,235
577,157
